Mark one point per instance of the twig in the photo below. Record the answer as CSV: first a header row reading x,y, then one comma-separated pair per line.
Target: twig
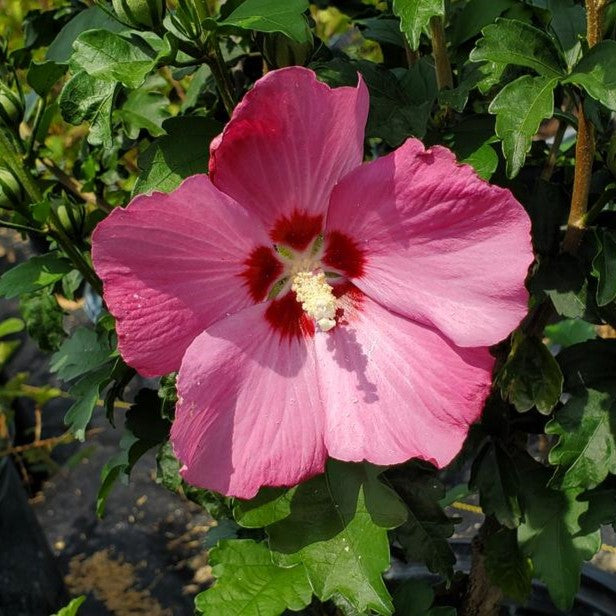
x,y
550,163
166,73
46,442
585,145
74,187
411,56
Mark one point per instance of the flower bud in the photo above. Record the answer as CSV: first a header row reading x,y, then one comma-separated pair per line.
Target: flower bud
x,y
11,191
280,51
71,218
11,106
140,13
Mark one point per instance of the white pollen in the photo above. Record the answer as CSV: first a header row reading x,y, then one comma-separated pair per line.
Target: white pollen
x,y
316,297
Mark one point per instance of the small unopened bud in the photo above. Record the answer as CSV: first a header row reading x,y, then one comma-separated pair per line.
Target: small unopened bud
x,y
11,191
140,13
11,106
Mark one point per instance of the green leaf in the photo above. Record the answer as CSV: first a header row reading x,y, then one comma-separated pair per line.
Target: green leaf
x,y
495,476
596,73
84,351
145,428
568,24
9,326
589,364
381,30
336,526
424,535
531,377
111,57
415,598
86,391
509,41
44,319
87,99
563,280
570,331
147,110
520,107
604,266
601,506
72,608
475,15
507,566
470,140
182,152
168,468
415,15
94,17
43,76
34,274
586,448
250,584
270,16
552,538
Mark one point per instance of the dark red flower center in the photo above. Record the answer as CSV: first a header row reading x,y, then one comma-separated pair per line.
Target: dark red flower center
x,y
305,275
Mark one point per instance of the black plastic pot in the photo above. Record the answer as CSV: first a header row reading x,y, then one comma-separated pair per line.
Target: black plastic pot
x,y
30,582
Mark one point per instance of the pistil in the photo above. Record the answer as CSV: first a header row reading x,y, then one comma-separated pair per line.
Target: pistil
x,y
316,297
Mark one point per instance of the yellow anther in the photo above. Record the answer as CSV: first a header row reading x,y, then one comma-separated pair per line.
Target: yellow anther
x,y
316,297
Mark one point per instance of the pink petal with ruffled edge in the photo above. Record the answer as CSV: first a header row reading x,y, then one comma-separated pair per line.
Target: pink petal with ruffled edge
x,y
249,412
288,142
393,389
436,243
171,266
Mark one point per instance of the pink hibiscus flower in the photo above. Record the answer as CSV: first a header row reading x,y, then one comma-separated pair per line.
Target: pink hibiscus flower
x,y
315,306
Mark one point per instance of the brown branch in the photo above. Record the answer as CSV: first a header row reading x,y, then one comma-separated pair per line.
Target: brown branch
x,y
585,145
52,441
482,597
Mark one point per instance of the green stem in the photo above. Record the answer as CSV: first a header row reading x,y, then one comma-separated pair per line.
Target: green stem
x,y
221,74
596,209
25,228
76,256
444,78
38,117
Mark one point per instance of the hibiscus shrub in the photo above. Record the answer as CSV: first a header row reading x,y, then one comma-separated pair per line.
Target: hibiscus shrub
x,y
367,249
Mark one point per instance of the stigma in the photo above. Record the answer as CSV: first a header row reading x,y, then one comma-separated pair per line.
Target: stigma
x,y
316,297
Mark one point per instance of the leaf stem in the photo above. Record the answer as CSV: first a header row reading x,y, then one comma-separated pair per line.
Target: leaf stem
x,y
585,145
444,78
602,201
7,224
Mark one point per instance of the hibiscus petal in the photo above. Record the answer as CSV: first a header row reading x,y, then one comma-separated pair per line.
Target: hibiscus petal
x,y
171,266
394,389
249,412
288,142
436,243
